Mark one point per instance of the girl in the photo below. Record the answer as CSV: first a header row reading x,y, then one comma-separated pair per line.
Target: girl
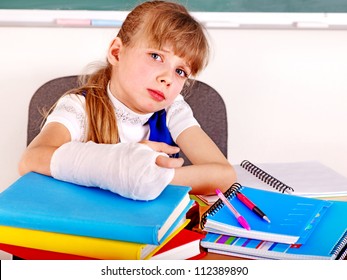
x,y
101,134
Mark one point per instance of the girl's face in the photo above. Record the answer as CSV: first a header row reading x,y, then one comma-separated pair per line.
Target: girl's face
x,y
145,79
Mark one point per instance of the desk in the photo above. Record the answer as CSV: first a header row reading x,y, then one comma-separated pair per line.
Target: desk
x,y
212,256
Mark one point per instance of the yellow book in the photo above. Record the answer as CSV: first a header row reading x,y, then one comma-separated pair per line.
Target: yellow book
x,y
80,245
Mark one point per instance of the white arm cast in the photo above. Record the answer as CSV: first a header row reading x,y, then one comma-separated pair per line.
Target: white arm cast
x,y
128,169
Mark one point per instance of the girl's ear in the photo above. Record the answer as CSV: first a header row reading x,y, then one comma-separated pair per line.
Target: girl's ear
x,y
114,50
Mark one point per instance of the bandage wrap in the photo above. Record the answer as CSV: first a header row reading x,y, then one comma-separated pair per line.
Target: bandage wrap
x,y
128,169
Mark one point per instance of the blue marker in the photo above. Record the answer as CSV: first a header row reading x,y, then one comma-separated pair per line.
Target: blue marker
x,y
106,23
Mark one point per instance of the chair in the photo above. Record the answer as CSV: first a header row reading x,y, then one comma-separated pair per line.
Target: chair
x,y
208,107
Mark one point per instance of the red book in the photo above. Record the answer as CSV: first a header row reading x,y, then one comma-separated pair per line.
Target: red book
x,y
36,254
200,256
185,245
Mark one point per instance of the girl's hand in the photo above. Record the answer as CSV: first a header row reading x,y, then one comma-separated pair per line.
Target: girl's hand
x,y
164,161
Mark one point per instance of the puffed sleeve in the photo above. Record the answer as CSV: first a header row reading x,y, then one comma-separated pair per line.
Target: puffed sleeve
x,y
70,111
180,117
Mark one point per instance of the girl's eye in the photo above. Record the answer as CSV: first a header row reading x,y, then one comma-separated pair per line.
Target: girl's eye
x,y
181,73
156,56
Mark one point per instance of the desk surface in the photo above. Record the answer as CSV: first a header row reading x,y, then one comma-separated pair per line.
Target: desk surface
x,y
213,256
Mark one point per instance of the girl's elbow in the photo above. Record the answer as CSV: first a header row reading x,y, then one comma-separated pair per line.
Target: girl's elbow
x,y
231,175
22,167
25,164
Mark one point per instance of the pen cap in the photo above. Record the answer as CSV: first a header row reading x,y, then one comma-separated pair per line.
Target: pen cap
x,y
218,191
243,222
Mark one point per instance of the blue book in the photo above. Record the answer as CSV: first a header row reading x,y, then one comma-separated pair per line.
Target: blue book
x,y
327,241
43,203
293,218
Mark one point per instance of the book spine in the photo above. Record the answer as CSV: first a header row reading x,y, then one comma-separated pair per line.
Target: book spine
x,y
95,229
70,244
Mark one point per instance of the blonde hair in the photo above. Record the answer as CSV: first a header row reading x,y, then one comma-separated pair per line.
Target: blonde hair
x,y
161,23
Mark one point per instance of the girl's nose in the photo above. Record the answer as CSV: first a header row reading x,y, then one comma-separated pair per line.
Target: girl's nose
x,y
165,82
165,77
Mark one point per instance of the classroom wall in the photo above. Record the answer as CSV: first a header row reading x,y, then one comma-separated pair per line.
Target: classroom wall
x,y
285,90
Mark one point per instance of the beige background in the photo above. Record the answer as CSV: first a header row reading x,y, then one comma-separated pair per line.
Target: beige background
x,y
285,90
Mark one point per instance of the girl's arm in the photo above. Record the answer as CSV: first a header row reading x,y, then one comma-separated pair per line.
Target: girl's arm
x,y
128,169
38,154
209,170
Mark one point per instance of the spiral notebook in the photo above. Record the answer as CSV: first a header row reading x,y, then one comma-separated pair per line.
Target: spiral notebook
x,y
306,178
325,242
293,218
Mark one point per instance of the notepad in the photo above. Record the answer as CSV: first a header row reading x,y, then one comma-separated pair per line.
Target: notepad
x,y
306,178
293,218
327,241
41,202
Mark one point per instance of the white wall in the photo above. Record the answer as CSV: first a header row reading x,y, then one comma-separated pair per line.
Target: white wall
x,y
285,90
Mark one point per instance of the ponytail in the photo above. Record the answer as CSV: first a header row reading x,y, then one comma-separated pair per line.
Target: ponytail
x,y
102,122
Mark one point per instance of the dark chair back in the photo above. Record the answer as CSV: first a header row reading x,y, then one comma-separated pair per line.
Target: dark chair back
x,y
208,107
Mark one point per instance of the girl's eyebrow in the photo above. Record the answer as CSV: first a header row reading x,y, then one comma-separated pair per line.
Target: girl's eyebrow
x,y
165,50
184,63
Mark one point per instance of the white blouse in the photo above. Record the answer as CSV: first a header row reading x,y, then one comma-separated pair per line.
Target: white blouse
x,y
70,111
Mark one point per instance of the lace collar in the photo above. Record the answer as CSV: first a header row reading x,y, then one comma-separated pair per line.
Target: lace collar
x,y
124,114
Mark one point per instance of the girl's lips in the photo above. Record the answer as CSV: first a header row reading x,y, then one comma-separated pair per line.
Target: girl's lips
x,y
156,94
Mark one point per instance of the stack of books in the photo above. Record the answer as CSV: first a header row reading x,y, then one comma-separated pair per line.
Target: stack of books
x,y
44,218
262,224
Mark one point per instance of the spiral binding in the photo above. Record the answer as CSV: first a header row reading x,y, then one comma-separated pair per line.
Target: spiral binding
x,y
343,255
266,177
230,193
340,249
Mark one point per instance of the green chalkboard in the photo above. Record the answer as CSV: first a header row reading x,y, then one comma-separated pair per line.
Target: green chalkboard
x,y
274,6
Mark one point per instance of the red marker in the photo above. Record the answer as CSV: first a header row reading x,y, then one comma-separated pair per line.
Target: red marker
x,y
252,206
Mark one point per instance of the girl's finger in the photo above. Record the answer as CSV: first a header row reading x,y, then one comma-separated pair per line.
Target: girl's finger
x,y
167,162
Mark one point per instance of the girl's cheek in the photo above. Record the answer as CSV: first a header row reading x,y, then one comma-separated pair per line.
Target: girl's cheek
x,y
174,93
